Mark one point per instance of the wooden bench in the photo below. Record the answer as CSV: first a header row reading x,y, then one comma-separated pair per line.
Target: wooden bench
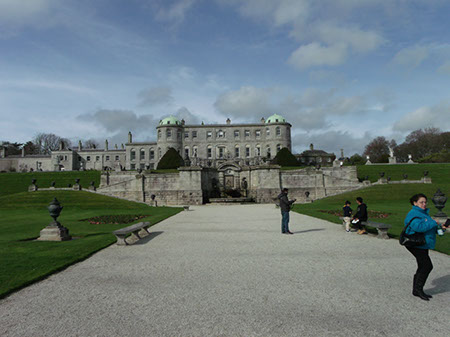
x,y
136,230
382,228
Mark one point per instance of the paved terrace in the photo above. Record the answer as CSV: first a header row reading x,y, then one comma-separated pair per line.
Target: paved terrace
x,y
227,271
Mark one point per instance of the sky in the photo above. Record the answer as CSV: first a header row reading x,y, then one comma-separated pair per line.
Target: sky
x,y
342,72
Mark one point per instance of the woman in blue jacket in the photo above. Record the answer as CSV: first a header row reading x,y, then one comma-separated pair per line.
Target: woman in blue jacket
x,y
421,223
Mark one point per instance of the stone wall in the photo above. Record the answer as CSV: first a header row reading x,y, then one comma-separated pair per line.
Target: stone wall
x,y
25,164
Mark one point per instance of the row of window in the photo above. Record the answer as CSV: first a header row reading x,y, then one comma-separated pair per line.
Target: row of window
x,y
220,133
97,158
221,151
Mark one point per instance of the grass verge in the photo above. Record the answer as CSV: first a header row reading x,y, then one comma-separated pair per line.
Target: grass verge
x,y
24,261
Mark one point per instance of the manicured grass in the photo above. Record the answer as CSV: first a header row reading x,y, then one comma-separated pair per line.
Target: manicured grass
x,y
392,199
24,261
11,183
439,173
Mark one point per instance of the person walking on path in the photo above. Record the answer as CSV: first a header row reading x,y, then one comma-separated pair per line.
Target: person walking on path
x,y
360,216
419,220
285,206
347,215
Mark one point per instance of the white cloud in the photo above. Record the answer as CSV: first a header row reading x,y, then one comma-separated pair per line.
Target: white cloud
x,y
354,37
175,13
247,101
155,96
189,117
48,84
445,68
411,57
315,54
22,11
435,116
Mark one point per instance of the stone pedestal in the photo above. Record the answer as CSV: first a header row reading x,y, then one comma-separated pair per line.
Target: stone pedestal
x,y
32,188
440,220
54,232
368,162
392,160
426,180
382,181
91,188
77,187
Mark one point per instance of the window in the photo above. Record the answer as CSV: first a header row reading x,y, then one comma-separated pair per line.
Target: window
x,y
178,134
159,152
258,133
247,133
107,158
247,151
142,166
133,154
159,134
278,131
142,155
186,152
278,147
117,158
209,152
236,152
195,151
236,133
88,158
133,166
151,154
194,134
79,158
151,166
208,134
220,134
65,157
258,151
186,134
221,152
319,159
268,154
267,132
168,133
97,158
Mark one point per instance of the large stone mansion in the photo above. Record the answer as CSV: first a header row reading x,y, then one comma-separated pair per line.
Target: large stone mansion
x,y
207,145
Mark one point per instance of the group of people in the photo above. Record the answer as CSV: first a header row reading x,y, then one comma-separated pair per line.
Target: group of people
x,y
418,220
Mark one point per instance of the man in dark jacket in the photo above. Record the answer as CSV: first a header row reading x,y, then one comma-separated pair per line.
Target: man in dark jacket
x,y
285,206
360,215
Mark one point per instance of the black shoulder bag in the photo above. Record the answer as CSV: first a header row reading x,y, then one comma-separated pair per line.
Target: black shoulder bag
x,y
411,240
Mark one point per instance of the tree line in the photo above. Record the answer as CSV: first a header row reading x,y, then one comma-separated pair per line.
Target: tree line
x,y
428,145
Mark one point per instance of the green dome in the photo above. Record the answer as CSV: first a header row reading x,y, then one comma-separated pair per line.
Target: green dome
x,y
171,120
276,119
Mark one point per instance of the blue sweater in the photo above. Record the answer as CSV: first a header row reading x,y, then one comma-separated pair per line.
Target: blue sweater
x,y
424,224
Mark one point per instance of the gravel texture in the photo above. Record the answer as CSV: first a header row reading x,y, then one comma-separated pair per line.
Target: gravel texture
x,y
228,271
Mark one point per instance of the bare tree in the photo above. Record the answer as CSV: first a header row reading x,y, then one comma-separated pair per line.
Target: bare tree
x,y
48,142
91,144
378,150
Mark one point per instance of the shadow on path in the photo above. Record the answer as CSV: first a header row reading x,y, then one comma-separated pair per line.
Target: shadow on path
x,y
310,230
440,285
148,238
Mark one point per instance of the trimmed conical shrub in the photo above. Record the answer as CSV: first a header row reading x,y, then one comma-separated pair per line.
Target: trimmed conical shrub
x,y
284,157
170,160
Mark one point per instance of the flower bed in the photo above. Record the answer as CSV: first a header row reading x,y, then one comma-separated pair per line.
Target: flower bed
x,y
115,219
372,214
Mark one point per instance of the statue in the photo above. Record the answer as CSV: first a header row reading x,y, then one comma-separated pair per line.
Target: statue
x,y
391,152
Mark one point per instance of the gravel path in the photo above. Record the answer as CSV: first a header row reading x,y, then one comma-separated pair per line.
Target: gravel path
x,y
228,271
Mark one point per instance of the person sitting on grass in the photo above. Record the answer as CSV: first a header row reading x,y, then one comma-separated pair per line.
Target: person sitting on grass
x,y
360,216
347,215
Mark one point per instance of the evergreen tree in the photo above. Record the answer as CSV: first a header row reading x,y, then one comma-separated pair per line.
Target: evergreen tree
x,y
170,160
284,157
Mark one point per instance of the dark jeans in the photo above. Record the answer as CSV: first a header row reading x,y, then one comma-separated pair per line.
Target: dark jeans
x,y
284,222
424,265
358,225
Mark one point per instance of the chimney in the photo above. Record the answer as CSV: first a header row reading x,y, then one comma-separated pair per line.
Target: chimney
x,y
123,146
228,121
61,145
106,144
115,146
263,120
80,146
130,137
311,147
342,153
23,151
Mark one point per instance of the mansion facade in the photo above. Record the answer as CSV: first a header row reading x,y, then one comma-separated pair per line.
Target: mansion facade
x,y
207,145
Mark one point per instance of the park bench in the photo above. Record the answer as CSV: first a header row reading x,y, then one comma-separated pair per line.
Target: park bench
x,y
186,208
382,228
136,230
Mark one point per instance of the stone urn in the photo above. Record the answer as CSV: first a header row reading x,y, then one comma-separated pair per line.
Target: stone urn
x,y
439,200
405,176
381,174
55,209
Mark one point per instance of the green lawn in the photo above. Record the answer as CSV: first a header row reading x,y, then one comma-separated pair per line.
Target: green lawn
x,y
11,183
393,199
23,215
